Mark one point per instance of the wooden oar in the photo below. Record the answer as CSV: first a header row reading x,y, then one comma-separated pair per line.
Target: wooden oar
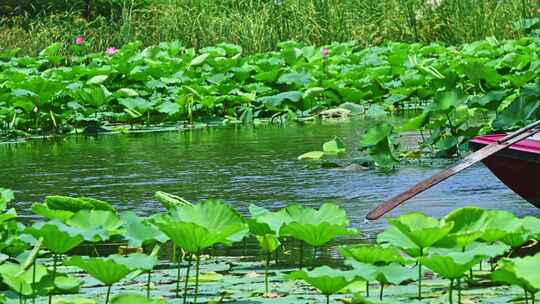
x,y
465,163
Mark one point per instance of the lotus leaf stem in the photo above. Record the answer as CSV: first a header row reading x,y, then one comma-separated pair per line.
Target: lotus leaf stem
x,y
301,255
108,294
381,291
197,268
20,293
33,281
276,255
526,295
268,257
327,299
177,277
367,289
459,291
450,291
148,284
55,256
187,279
420,275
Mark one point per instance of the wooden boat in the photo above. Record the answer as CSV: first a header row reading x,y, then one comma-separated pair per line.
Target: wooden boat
x,y
518,166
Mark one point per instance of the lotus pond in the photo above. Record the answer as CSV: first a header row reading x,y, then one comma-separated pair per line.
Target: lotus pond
x,y
89,249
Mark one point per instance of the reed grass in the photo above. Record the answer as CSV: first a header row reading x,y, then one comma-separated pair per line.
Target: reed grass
x,y
258,25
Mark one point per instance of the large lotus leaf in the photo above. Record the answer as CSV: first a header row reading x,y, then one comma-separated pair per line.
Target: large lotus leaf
x,y
498,224
98,225
105,270
516,238
393,273
376,134
335,146
328,212
527,269
6,196
315,235
451,266
475,249
393,236
327,280
137,261
272,221
57,237
532,226
372,254
193,238
139,231
423,230
51,214
469,225
73,204
215,216
8,215
517,113
507,273
20,279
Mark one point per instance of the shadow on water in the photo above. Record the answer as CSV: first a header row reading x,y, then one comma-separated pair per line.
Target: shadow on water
x,y
239,165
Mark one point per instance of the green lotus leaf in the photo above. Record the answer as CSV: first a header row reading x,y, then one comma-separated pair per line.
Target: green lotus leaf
x,y
131,299
51,214
516,239
316,235
67,283
98,225
393,236
105,270
6,196
325,279
451,266
8,215
393,273
422,230
376,134
522,272
474,249
498,224
268,242
20,279
57,237
373,254
532,226
215,216
73,204
74,301
139,231
137,261
469,225
170,201
313,155
335,146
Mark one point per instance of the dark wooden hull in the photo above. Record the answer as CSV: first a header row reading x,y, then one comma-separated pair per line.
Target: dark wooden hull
x,y
518,167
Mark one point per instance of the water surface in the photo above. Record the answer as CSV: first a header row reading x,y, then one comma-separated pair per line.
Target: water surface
x,y
239,165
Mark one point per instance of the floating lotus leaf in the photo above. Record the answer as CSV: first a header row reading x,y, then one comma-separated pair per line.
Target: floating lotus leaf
x,y
372,254
57,237
132,299
422,230
73,204
106,270
327,280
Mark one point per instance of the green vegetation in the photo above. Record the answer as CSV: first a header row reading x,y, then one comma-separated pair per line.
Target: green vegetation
x,y
450,247
258,25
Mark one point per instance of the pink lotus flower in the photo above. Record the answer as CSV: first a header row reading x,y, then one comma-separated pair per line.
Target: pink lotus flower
x,y
325,52
111,51
79,40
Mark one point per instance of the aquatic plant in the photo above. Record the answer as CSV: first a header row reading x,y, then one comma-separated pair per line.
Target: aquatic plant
x,y
107,270
521,272
197,227
418,231
469,225
315,227
327,280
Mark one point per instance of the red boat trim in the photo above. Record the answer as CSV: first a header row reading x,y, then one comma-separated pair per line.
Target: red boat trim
x,y
527,145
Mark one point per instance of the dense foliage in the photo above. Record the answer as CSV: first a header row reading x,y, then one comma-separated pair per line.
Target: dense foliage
x,y
450,247
459,89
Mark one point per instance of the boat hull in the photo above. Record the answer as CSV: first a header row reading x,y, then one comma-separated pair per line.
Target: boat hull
x,y
518,167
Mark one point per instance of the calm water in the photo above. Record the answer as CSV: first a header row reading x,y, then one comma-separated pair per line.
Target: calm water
x,y
239,165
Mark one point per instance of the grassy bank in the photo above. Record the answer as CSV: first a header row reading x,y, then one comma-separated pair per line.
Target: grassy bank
x,y
259,25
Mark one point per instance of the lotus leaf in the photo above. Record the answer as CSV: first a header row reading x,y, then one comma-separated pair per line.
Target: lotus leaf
x,y
327,280
422,230
139,231
6,196
98,225
57,237
106,270
498,224
315,235
469,225
51,214
131,299
372,254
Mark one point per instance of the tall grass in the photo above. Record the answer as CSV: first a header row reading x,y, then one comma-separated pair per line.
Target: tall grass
x,y
258,25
